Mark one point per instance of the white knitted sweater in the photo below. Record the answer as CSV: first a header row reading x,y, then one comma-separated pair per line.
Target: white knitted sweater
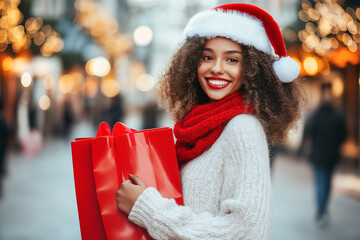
x,y
226,191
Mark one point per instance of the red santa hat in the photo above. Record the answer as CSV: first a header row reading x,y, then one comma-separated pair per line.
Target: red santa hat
x,y
248,25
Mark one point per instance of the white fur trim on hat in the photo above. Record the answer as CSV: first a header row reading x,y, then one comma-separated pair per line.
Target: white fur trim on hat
x,y
287,69
239,27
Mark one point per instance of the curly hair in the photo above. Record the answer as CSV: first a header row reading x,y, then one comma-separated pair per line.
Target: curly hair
x,y
277,103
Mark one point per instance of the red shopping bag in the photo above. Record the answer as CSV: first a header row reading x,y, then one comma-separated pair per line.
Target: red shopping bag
x,y
149,154
88,208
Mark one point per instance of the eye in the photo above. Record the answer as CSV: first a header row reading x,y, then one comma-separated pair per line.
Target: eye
x,y
207,58
233,60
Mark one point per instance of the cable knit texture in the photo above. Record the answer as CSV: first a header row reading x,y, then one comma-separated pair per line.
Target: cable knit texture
x,y
226,190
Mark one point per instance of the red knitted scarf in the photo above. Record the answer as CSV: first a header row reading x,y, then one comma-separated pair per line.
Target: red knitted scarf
x,y
204,124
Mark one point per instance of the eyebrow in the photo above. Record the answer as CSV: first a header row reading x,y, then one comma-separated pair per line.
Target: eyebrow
x,y
226,52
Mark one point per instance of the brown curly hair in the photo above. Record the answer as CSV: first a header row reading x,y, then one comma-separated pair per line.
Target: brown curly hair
x,y
277,103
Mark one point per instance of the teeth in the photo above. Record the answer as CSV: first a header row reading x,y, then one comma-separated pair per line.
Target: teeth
x,y
218,82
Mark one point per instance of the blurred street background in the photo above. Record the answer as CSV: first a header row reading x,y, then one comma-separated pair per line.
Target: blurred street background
x,y
65,66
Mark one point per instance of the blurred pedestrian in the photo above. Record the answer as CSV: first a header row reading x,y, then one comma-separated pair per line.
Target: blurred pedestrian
x,y
4,134
150,115
113,111
68,115
326,131
228,91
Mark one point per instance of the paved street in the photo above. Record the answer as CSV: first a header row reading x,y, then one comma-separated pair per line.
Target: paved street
x,y
294,206
39,201
39,196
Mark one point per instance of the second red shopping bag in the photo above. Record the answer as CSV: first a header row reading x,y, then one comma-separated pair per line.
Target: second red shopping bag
x,y
90,221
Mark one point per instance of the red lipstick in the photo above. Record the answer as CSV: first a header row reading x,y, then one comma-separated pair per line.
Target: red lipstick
x,y
220,82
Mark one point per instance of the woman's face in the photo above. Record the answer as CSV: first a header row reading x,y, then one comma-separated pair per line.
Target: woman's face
x,y
220,68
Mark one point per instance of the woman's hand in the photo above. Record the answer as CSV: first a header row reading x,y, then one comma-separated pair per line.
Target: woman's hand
x,y
128,193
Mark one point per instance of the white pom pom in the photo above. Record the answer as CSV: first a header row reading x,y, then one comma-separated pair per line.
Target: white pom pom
x,y
287,69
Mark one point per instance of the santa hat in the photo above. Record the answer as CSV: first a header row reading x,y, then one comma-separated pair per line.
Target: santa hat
x,y
248,25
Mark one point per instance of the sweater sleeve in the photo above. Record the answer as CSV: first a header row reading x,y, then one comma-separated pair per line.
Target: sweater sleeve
x,y
246,214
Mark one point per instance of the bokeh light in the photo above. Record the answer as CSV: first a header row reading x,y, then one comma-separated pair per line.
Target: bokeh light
x,y
26,79
19,64
66,83
110,87
44,102
337,87
18,32
14,15
39,38
7,63
311,66
143,35
102,27
88,66
327,19
144,82
33,25
98,66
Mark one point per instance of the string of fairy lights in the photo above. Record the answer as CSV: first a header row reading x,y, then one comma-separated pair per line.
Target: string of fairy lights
x,y
20,37
102,27
105,30
327,25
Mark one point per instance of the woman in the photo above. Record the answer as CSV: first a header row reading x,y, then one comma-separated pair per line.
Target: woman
x,y
229,92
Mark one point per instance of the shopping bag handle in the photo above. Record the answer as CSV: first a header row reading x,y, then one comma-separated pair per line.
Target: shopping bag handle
x,y
121,128
103,130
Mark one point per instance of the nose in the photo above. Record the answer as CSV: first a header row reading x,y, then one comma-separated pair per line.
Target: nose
x,y
217,67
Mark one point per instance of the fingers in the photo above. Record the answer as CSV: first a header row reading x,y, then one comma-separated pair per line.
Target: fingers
x,y
136,180
128,193
124,183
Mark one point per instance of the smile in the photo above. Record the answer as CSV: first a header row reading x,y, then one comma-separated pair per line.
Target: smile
x,y
217,83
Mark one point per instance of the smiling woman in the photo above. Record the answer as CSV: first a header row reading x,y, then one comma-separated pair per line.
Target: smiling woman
x,y
181,87
230,87
219,72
